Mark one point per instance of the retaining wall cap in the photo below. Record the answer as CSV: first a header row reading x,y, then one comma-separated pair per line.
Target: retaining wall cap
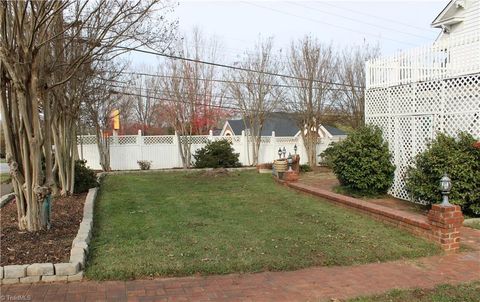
x,y
65,269
15,271
39,269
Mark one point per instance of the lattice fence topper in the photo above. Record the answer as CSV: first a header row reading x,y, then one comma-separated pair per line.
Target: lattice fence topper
x,y
123,140
153,140
411,115
87,139
195,140
286,139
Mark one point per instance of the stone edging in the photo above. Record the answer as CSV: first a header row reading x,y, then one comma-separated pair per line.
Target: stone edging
x,y
50,272
6,198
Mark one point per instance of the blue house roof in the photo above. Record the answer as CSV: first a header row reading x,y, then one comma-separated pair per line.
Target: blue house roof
x,y
281,122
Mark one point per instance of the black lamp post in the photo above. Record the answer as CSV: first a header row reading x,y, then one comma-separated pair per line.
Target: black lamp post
x,y
295,149
279,153
445,187
289,161
284,152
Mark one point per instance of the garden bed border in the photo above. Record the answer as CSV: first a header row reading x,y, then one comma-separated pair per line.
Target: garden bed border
x,y
51,272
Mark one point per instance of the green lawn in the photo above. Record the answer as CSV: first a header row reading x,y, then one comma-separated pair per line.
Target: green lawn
x,y
469,292
4,178
177,224
475,225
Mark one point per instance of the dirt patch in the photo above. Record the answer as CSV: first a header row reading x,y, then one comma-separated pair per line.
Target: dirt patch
x,y
216,173
18,247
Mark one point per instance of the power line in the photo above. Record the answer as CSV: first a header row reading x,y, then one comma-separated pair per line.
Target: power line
x,y
378,17
327,23
221,81
176,101
232,67
237,109
180,101
357,20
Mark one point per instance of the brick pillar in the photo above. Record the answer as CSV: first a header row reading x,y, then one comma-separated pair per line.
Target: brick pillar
x,y
446,222
290,176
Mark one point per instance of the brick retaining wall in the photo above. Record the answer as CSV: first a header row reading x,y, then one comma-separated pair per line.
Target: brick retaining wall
x,y
442,225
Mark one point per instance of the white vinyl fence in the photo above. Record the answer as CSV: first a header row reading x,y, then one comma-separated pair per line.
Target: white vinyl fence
x,y
163,150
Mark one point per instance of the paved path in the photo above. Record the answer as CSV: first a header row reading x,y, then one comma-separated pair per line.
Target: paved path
x,y
312,284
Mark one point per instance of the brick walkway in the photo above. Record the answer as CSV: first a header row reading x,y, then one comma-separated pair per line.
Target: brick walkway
x,y
312,284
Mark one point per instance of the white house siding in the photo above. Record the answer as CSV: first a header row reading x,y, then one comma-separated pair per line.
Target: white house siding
x,y
471,21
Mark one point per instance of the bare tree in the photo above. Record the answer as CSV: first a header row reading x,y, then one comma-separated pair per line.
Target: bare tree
x,y
188,88
257,93
36,42
147,97
351,71
313,64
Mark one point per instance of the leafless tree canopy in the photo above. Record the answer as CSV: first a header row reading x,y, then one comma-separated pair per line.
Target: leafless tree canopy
x,y
315,65
257,93
46,50
189,90
351,71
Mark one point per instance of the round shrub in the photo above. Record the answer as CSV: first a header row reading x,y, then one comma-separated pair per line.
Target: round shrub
x,y
460,159
362,162
305,168
217,154
144,164
85,177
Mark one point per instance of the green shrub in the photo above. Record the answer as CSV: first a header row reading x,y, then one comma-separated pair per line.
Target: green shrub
x,y
362,162
85,177
460,159
144,164
305,168
217,154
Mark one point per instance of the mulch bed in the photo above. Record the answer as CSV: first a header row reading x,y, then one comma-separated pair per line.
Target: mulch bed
x,y
21,247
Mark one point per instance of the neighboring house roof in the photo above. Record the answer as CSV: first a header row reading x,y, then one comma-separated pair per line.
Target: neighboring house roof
x,y
237,126
334,131
282,123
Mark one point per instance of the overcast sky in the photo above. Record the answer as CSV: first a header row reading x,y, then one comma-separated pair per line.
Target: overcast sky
x,y
394,25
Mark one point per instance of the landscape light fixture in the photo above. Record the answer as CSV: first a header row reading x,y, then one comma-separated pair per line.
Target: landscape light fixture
x,y
284,152
289,161
279,153
445,187
295,149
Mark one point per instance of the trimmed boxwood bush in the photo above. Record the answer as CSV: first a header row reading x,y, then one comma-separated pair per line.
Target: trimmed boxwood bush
x,y
85,177
217,154
460,159
362,162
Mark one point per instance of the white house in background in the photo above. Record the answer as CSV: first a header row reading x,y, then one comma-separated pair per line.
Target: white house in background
x,y
414,94
459,17
282,125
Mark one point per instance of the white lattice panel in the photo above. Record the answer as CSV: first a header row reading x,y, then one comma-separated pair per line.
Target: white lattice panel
x,y
158,140
286,139
195,140
411,114
87,140
123,140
